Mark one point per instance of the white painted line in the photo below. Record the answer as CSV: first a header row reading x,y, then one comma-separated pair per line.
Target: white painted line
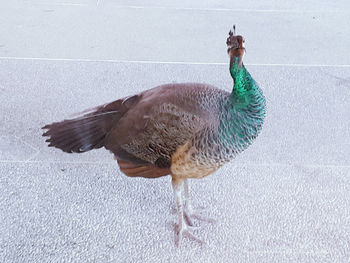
x,y
296,165
58,4
171,62
289,252
209,9
300,65
114,61
57,162
232,9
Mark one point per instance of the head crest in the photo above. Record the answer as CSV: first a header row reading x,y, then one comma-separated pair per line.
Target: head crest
x,y
234,31
232,41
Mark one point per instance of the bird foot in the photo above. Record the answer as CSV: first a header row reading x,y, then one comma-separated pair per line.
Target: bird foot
x,y
185,231
189,215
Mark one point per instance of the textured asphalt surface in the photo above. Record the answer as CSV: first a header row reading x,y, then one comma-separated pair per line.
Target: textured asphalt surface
x,y
285,199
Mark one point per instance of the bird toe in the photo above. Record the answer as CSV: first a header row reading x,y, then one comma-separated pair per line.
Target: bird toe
x,y
186,231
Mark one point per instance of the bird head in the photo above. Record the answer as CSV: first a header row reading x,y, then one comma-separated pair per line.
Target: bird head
x,y
235,44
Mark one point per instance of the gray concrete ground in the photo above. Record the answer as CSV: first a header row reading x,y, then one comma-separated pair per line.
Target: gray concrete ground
x,y
286,199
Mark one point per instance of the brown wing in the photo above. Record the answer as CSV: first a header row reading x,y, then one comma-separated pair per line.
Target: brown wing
x,y
148,134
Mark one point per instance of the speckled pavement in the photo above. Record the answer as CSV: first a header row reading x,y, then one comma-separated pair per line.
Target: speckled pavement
x,y
285,199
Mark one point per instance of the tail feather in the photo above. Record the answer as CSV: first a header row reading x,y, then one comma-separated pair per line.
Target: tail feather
x,y
81,134
88,131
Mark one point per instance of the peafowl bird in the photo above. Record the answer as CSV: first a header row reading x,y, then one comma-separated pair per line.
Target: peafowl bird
x,y
186,130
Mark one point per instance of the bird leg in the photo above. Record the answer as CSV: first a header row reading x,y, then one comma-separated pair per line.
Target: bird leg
x,y
188,210
182,228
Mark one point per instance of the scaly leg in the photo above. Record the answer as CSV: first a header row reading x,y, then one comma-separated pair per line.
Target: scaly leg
x,y
188,207
183,228
188,210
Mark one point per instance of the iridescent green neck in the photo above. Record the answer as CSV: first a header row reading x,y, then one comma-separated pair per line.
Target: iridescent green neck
x,y
244,112
244,88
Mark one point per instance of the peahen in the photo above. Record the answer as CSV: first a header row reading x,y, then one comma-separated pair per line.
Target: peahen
x,y
184,130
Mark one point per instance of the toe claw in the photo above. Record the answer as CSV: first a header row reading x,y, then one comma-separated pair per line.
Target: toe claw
x,y
185,231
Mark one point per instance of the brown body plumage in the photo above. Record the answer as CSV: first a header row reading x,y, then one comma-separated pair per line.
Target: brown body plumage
x,y
146,130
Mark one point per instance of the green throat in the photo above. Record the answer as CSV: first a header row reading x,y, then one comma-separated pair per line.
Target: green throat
x,y
244,112
245,90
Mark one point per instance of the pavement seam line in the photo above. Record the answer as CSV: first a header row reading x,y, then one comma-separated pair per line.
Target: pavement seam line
x,y
232,9
297,165
209,9
171,62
